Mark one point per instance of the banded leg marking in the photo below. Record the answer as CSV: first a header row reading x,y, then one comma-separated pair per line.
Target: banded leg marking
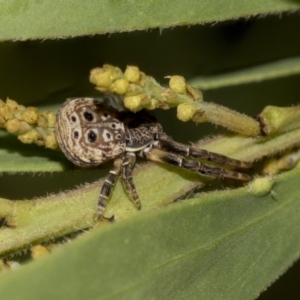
x,y
167,144
192,165
108,185
127,180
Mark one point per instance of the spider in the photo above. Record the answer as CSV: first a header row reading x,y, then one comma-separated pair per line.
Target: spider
x,y
90,132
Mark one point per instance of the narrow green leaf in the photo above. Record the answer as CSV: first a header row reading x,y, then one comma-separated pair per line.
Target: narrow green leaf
x,y
267,71
221,245
36,220
18,157
23,19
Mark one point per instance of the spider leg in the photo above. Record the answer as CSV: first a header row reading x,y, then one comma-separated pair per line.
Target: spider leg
x,y
182,162
166,143
108,185
127,180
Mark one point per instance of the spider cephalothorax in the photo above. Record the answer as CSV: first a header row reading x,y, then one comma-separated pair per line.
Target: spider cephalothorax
x,y
90,133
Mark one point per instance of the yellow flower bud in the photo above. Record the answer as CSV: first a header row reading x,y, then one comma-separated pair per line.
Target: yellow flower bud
x,y
132,74
51,118
133,103
42,121
29,137
6,113
30,115
24,127
185,111
12,125
177,84
39,251
114,72
50,141
261,186
121,86
13,105
100,78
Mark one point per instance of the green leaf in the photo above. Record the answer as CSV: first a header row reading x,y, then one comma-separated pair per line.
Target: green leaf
x,y
17,157
272,70
23,19
36,220
221,245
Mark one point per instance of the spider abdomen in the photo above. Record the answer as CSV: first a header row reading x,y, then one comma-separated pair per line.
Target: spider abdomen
x,y
88,132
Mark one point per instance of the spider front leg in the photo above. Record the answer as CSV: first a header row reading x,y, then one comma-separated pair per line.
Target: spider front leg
x,y
192,165
108,185
127,180
166,143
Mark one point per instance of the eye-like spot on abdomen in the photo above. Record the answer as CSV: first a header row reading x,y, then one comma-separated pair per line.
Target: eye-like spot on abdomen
x,y
107,136
88,116
92,137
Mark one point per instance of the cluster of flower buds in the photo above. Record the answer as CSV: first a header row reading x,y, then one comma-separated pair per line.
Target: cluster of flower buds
x,y
28,123
143,92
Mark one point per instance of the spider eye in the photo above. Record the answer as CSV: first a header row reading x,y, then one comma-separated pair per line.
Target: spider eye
x,y
76,134
113,125
92,137
88,116
73,119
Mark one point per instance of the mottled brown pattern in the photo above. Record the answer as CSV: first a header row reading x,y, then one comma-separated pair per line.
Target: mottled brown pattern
x,y
140,128
90,133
